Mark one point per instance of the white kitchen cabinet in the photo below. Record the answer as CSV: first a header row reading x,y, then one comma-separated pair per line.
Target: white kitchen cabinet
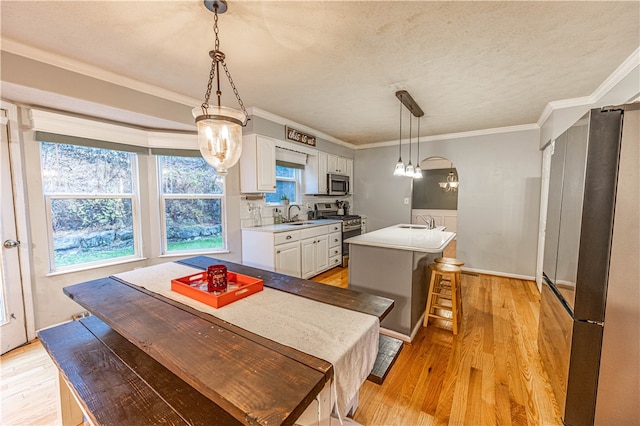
x,y
315,173
315,255
349,172
336,164
301,253
258,164
287,258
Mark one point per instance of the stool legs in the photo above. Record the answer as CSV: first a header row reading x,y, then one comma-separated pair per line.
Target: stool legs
x,y
443,278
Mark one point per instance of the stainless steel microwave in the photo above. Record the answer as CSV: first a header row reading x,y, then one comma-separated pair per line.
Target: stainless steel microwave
x,y
337,184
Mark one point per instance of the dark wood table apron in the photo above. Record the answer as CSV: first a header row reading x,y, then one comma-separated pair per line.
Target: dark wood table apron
x,y
256,380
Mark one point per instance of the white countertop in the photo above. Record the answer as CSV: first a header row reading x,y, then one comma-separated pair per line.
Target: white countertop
x,y
406,237
291,226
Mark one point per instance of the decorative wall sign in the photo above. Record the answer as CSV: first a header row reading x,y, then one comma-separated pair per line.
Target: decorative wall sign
x,y
300,137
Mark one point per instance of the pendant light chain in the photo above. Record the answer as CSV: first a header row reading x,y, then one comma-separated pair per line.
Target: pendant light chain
x,y
218,57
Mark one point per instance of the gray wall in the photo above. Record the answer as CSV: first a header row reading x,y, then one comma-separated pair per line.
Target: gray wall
x,y
427,193
498,199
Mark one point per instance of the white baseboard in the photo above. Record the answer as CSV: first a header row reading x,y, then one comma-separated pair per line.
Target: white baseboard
x,y
499,274
403,337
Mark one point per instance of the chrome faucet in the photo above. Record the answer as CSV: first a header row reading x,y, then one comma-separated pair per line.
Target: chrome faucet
x,y
289,212
431,222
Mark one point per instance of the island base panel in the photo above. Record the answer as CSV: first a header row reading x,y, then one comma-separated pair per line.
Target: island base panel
x,y
400,275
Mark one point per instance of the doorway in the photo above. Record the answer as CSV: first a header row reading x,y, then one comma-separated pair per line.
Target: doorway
x,y
12,307
436,194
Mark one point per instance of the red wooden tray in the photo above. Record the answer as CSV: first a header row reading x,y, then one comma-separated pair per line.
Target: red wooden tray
x,y
238,286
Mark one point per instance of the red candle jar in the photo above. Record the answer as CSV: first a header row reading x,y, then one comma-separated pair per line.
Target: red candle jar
x,y
216,278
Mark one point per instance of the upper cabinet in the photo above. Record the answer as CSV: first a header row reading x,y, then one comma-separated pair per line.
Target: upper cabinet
x,y
258,164
319,165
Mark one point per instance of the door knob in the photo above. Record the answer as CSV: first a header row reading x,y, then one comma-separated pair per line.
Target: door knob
x,y
11,244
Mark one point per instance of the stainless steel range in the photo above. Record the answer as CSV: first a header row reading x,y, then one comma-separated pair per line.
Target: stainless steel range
x,y
351,224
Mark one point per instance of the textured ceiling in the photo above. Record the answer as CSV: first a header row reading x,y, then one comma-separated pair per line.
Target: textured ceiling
x,y
334,66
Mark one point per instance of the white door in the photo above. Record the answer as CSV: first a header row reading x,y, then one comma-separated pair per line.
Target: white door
x,y
322,253
266,159
288,259
13,331
308,254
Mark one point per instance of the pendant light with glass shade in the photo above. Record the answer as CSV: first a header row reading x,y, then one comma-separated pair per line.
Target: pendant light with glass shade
x,y
409,171
417,174
400,170
406,100
219,128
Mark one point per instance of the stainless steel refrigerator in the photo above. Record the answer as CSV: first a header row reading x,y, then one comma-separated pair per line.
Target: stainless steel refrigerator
x,y
589,326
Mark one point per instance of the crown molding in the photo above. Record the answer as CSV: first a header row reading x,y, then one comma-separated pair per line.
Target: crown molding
x,y
83,68
460,135
627,67
286,122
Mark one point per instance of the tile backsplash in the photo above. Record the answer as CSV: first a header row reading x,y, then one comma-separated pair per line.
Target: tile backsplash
x,y
268,211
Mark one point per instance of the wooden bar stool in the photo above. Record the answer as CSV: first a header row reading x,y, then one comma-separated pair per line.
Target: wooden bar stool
x,y
456,262
439,298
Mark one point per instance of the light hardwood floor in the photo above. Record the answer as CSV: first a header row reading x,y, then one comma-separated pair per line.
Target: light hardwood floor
x,y
490,373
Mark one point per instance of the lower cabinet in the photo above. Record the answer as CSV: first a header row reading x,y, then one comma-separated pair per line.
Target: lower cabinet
x,y
301,253
315,255
288,259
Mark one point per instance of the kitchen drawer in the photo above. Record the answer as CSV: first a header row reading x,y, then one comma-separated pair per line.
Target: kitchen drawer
x,y
335,261
335,227
335,251
313,232
286,237
335,239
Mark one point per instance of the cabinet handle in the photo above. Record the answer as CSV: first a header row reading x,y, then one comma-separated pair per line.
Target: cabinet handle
x,y
335,240
289,237
278,252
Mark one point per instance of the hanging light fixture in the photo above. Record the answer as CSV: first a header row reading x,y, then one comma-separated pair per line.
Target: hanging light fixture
x,y
219,128
417,174
406,100
400,170
452,182
409,171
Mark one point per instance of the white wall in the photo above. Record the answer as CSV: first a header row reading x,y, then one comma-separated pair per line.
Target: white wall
x,y
498,201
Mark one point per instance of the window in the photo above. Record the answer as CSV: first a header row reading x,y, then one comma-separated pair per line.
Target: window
x,y
287,184
91,204
192,205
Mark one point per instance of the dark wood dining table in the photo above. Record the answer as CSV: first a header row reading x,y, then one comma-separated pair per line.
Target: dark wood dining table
x,y
143,358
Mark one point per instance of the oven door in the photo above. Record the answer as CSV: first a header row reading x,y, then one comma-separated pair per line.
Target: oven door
x,y
345,246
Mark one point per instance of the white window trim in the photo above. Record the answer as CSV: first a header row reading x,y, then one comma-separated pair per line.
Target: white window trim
x,y
298,181
164,252
136,224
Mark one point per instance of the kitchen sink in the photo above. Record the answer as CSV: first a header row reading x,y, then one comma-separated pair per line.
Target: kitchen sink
x,y
300,223
413,227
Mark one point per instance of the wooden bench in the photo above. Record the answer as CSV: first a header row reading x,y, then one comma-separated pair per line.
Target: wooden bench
x,y
116,383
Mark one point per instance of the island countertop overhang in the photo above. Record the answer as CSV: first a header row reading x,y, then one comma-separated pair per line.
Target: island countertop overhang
x,y
409,237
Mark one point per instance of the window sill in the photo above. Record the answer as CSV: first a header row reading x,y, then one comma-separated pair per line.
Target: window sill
x,y
87,268
194,253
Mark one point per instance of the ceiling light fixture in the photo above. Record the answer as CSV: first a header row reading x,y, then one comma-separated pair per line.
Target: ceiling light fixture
x,y
452,182
400,171
219,128
416,111
417,174
409,171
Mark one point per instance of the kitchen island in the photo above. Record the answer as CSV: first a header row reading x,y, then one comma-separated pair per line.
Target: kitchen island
x,y
393,262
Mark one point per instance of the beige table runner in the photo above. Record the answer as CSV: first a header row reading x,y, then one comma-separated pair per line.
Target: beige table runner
x,y
347,339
